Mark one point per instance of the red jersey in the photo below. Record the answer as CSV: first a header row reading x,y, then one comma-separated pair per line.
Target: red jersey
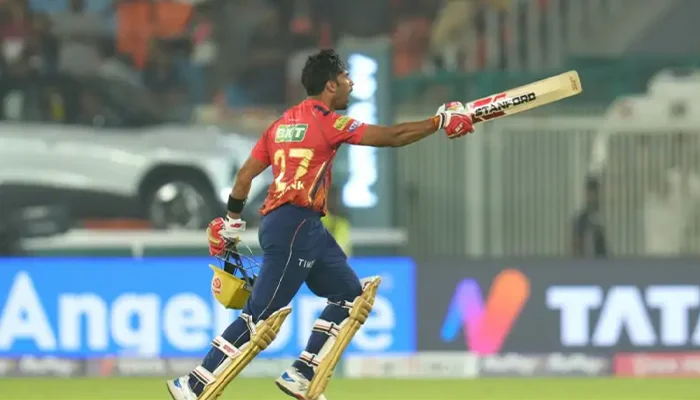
x,y
301,146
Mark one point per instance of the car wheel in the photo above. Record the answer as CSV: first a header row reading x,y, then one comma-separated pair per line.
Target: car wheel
x,y
180,203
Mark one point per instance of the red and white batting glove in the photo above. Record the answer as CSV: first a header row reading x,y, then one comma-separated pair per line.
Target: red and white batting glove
x,y
454,120
222,231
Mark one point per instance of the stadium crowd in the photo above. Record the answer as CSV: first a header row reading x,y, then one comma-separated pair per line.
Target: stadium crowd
x,y
185,52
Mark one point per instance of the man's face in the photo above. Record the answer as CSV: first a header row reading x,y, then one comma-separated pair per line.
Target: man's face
x,y
342,92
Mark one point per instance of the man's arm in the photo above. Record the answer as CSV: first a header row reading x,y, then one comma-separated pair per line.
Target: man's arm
x,y
453,120
399,135
250,169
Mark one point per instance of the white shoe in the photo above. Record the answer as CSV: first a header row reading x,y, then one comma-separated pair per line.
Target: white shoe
x,y
294,384
180,388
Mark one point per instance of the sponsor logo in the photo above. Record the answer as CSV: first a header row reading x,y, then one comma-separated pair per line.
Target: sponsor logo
x,y
141,366
509,364
418,366
494,106
486,325
354,126
216,285
658,365
290,133
270,368
577,364
454,106
308,264
48,366
555,364
7,366
341,123
593,316
78,314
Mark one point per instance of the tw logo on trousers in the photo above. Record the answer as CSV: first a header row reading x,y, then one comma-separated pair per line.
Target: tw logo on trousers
x,y
306,263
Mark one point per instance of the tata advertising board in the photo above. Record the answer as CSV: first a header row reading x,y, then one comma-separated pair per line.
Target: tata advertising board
x,y
97,307
559,306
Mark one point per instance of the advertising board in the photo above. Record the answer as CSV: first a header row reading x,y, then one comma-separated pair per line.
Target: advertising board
x,y
558,306
163,307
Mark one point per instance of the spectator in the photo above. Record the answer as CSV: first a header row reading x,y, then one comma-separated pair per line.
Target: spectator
x,y
263,79
453,38
588,232
162,78
52,106
201,33
15,34
80,33
115,66
242,19
45,44
361,18
411,39
672,204
303,27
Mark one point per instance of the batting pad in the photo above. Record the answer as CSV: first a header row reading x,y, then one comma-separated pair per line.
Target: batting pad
x,y
360,309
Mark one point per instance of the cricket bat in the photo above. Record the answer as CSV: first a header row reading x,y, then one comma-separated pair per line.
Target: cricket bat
x,y
526,97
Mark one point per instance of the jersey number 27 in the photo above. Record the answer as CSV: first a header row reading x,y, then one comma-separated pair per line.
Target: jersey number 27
x,y
280,159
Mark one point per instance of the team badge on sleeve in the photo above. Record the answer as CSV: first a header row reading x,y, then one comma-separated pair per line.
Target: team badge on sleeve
x,y
342,122
355,124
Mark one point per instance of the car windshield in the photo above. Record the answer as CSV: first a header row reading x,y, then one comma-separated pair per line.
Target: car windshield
x,y
134,101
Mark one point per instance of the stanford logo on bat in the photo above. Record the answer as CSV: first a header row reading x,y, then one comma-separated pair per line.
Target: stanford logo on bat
x,y
494,106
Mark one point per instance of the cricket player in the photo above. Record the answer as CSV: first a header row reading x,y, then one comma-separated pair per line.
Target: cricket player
x,y
297,249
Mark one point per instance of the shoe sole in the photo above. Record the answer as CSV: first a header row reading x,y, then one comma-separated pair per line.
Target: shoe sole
x,y
167,385
289,392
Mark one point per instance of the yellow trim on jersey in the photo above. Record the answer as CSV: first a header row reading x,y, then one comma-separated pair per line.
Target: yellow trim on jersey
x,y
313,184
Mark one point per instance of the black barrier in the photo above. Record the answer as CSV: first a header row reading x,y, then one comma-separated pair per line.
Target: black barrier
x,y
550,306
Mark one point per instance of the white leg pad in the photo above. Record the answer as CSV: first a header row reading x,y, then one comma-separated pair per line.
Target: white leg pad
x,y
227,348
310,359
327,327
333,349
203,376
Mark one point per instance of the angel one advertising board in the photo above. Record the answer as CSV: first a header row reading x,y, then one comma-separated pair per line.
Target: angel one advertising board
x,y
98,307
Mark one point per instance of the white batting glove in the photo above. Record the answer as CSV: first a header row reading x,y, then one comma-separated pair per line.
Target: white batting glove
x,y
451,106
454,120
232,228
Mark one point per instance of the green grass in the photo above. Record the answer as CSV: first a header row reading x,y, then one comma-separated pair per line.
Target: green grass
x,y
379,389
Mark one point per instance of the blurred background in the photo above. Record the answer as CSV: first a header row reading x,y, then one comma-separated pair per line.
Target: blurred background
x,y
124,122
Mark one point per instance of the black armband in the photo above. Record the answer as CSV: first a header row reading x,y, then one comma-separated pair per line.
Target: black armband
x,y
235,205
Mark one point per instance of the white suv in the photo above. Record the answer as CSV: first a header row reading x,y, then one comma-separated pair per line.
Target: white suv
x,y
102,149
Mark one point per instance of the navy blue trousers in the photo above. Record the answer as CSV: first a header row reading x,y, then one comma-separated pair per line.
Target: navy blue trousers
x,y
297,249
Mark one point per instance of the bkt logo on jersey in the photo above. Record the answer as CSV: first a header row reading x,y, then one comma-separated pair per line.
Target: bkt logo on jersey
x,y
486,325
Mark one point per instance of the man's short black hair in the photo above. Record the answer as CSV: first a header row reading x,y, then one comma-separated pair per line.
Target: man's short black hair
x,y
320,68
